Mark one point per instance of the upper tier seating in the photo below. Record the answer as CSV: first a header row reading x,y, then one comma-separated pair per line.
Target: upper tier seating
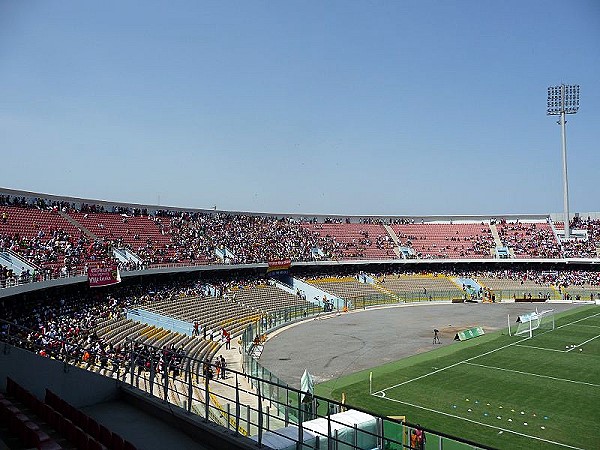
x,y
353,240
41,233
141,234
529,240
578,248
46,239
251,239
438,240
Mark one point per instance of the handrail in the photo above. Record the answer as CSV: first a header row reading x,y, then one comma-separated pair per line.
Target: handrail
x,y
178,378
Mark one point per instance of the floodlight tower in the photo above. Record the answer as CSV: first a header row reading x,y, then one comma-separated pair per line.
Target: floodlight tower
x,y
563,100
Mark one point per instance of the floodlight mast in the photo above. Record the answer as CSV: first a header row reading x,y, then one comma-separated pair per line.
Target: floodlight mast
x,y
563,100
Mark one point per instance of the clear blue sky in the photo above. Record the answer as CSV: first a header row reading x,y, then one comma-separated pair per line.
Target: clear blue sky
x,y
350,107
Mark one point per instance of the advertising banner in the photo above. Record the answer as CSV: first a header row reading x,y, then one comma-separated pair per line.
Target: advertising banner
x,y
103,276
278,267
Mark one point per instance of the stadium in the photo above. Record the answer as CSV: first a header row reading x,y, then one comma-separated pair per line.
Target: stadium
x,y
154,299
299,225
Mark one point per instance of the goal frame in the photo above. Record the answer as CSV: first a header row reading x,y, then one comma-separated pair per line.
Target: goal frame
x,y
534,321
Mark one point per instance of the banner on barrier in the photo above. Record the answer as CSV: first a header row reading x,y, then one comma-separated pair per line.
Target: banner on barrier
x,y
469,334
103,276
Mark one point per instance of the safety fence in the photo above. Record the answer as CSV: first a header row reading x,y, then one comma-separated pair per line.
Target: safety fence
x,y
261,408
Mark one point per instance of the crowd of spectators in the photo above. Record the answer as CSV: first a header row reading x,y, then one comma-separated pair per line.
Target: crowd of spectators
x,y
587,247
245,238
64,326
529,240
560,278
450,246
214,237
56,247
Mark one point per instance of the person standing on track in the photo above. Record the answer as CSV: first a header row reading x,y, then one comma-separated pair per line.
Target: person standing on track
x,y
436,336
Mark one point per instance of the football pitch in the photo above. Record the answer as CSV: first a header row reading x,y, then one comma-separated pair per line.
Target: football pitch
x,y
507,392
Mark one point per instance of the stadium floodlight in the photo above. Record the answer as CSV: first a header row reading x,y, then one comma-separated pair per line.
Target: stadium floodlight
x,y
562,100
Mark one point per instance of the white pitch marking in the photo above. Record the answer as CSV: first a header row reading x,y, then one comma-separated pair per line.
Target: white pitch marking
x,y
540,348
485,424
533,374
584,342
487,353
454,365
586,325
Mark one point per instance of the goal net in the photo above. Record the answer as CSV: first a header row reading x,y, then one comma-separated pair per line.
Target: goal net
x,y
532,323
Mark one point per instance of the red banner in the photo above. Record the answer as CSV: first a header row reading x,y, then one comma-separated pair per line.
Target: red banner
x,y
103,276
280,265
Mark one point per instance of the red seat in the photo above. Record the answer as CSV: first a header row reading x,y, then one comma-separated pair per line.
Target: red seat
x,y
17,422
81,439
93,444
129,446
54,418
10,386
29,433
80,419
67,429
117,442
93,428
105,436
51,398
50,444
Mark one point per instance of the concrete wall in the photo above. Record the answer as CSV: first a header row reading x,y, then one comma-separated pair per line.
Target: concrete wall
x,y
30,287
77,386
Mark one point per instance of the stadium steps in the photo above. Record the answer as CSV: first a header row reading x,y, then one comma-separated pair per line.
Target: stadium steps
x,y
394,237
76,224
557,293
386,291
496,236
330,280
456,283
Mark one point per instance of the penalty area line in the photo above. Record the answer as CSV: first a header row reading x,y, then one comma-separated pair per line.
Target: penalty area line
x,y
518,433
540,348
583,343
455,364
566,380
516,343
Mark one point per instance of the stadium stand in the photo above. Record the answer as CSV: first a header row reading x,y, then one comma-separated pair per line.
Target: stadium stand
x,y
439,240
529,240
61,238
348,288
399,283
586,247
141,234
353,240
45,239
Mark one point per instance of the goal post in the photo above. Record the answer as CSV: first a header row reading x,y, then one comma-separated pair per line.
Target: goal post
x,y
529,323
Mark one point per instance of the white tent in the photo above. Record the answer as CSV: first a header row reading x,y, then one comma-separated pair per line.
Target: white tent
x,y
345,423
286,438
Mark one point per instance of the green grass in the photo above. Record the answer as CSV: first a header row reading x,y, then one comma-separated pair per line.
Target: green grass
x,y
533,381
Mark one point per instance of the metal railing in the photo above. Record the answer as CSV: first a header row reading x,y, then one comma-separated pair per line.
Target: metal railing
x,y
259,407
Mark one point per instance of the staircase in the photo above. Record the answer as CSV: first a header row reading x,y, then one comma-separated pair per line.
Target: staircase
x,y
496,236
395,239
13,261
387,292
76,224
